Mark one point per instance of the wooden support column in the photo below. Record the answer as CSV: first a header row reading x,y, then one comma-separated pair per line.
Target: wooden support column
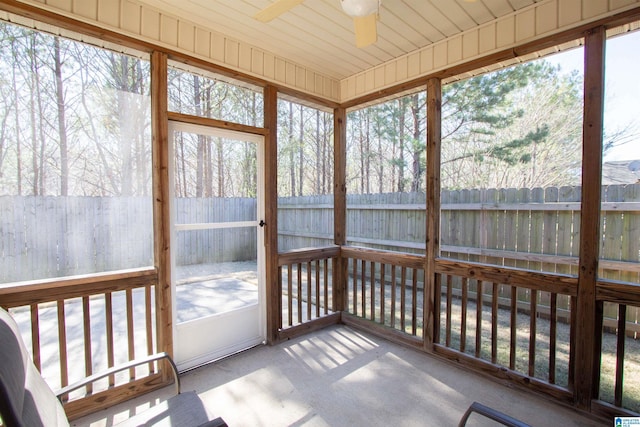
x,y
340,204
273,292
431,285
588,329
161,202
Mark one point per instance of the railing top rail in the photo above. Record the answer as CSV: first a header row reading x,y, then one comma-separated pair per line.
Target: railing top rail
x,y
385,257
548,282
49,290
308,254
618,292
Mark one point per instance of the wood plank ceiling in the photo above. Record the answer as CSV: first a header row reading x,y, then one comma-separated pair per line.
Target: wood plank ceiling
x,y
318,35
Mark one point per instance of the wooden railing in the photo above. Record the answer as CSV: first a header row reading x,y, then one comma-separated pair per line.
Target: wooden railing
x,y
387,289
618,385
81,325
305,283
517,325
513,323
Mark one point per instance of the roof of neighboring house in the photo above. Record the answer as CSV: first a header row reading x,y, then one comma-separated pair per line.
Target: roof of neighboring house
x,y
621,172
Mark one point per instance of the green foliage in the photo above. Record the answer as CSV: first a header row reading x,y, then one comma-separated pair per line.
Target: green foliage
x,y
517,127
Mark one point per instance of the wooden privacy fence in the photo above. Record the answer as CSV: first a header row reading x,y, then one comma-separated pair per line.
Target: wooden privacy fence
x,y
536,229
44,236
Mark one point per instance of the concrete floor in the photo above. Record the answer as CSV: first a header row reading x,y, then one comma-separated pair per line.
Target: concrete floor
x,y
344,377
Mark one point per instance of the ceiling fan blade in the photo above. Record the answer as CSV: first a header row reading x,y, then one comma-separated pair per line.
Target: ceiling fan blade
x,y
365,28
276,9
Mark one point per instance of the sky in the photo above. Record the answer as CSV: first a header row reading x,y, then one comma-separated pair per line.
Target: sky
x,y
622,88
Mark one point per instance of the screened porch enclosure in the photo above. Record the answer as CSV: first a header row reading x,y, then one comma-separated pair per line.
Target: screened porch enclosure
x,y
485,213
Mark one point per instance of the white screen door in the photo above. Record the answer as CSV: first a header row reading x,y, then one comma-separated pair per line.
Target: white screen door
x,y
217,245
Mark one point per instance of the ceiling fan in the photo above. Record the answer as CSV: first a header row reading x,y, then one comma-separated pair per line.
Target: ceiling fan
x,y
363,12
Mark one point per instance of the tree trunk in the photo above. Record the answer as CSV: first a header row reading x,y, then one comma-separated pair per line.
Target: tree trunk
x,y
418,170
401,143
62,125
32,112
201,139
319,157
301,153
17,120
292,168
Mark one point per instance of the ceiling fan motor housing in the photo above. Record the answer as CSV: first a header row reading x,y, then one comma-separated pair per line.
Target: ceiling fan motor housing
x,y
360,7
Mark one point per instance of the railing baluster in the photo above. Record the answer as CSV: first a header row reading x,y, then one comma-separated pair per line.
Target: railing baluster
x,y
355,286
318,288
572,341
326,285
108,312
393,296
148,324
363,284
437,308
622,333
532,332
479,303
62,346
494,323
290,293
414,303
299,292
449,304
88,363
35,336
514,327
403,297
309,296
553,333
130,332
382,294
280,284
463,317
372,281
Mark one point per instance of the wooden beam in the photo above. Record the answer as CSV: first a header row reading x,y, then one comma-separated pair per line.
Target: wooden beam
x,y
161,202
588,331
273,292
340,205
434,126
214,123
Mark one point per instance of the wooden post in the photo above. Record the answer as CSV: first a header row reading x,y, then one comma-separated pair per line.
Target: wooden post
x,y
273,292
340,205
161,202
588,332
431,285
